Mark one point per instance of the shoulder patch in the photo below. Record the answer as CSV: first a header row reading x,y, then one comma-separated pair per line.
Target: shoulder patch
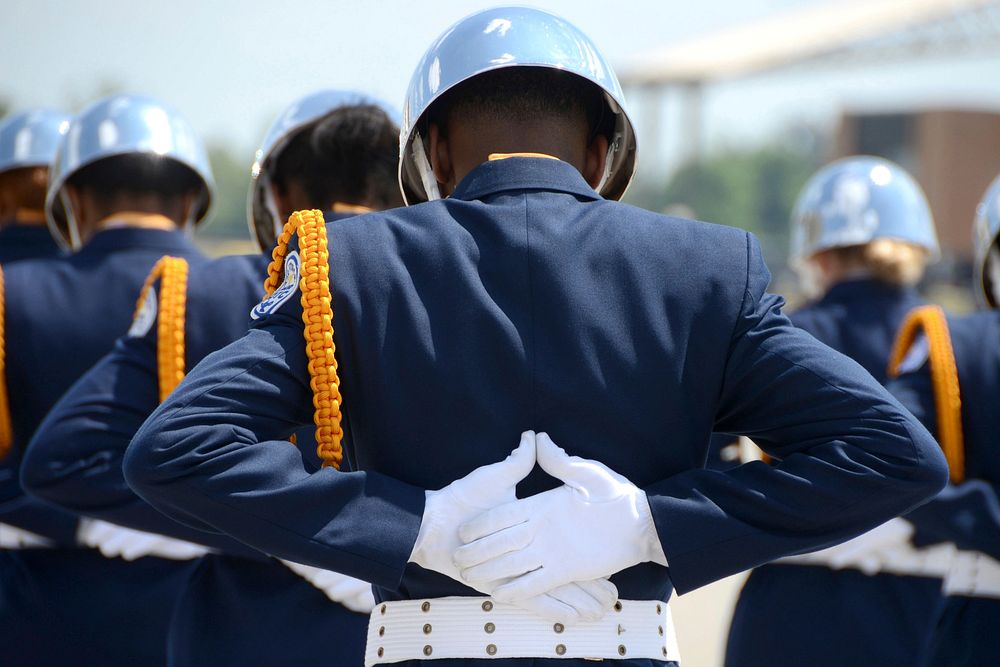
x,y
288,287
145,317
916,356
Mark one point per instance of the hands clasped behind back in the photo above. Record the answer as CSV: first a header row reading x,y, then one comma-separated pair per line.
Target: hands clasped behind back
x,y
594,525
481,490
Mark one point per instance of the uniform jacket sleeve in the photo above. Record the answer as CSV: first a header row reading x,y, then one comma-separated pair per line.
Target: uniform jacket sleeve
x,y
74,460
218,449
967,514
851,456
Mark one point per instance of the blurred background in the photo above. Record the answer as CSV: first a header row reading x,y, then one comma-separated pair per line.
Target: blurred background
x,y
737,102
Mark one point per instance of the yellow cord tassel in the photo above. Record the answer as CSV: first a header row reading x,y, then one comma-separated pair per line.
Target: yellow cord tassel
x,y
944,378
172,272
6,428
317,318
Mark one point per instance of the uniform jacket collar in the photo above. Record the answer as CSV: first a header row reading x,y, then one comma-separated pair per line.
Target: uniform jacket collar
x,y
867,288
15,233
523,173
123,238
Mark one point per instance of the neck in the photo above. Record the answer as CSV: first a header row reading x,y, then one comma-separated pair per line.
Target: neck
x,y
28,217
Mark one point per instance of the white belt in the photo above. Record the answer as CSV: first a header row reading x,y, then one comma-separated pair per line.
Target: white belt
x,y
973,574
12,537
932,562
481,628
884,549
115,541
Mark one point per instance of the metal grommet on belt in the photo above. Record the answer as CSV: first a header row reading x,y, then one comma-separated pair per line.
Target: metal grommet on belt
x,y
560,649
618,606
381,631
491,649
487,606
427,628
621,649
659,610
428,650
489,628
381,651
383,608
659,629
558,627
426,606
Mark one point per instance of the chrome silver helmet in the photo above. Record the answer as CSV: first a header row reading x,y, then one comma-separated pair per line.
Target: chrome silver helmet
x,y
987,256
30,138
123,125
495,39
262,215
856,200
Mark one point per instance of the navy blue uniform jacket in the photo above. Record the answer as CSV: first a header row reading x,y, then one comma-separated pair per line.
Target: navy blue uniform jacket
x,y
62,315
786,611
18,242
967,514
239,606
527,301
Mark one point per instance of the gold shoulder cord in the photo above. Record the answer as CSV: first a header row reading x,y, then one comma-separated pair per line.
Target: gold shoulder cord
x,y
172,272
6,429
944,378
317,318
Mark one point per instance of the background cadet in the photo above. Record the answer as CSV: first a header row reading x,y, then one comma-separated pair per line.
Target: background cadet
x,y
129,179
527,300
953,390
862,233
330,149
28,142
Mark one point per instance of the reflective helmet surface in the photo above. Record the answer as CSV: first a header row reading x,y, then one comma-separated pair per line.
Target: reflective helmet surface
x,y
124,125
985,231
30,138
856,200
262,216
496,39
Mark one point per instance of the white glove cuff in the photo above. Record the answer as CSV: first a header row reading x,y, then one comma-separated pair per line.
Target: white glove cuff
x,y
652,547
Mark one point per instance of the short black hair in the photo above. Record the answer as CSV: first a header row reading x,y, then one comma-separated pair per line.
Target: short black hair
x,y
524,94
350,155
134,174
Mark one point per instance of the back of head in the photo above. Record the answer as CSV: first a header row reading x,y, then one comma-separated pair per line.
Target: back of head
x,y
145,147
28,143
330,146
506,39
986,230
862,215
348,156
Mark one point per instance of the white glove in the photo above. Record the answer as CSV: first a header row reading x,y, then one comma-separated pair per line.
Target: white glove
x,y
596,524
353,593
115,541
869,551
483,489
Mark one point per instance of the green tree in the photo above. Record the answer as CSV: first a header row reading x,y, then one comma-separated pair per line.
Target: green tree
x,y
228,219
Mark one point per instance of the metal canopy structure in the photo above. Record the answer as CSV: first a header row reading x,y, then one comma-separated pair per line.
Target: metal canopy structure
x,y
830,33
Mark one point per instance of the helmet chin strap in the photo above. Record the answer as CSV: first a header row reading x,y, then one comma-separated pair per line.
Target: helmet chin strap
x,y
423,165
72,228
993,273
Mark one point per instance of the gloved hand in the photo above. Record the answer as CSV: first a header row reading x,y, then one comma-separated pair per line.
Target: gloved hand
x,y
485,488
596,524
869,551
353,593
115,541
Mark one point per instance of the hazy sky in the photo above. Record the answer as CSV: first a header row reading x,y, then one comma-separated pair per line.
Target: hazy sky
x,y
231,66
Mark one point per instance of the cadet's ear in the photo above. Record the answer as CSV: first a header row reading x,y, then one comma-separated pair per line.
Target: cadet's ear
x,y
594,160
441,162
